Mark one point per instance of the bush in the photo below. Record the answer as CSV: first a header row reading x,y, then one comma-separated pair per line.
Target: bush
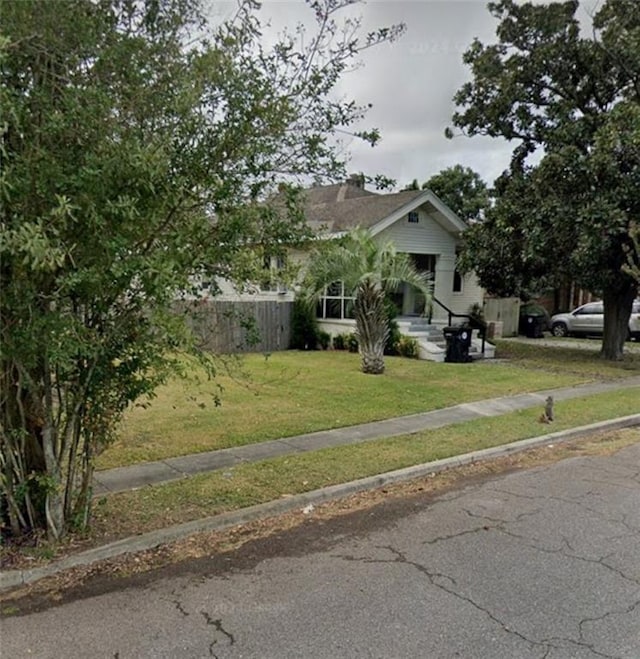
x,y
407,346
352,342
305,334
324,339
340,342
477,320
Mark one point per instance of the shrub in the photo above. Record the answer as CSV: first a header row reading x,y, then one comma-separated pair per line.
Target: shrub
x,y
340,342
352,342
477,320
324,339
407,346
305,333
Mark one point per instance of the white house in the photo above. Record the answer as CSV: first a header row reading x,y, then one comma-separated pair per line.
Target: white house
x,y
419,224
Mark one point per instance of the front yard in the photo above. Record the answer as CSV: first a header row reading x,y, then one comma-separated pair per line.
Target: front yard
x,y
290,393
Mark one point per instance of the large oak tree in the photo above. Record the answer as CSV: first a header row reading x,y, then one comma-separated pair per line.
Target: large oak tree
x,y
572,98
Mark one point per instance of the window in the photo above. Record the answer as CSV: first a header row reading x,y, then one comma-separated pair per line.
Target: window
x,y
272,265
413,217
457,281
335,303
594,308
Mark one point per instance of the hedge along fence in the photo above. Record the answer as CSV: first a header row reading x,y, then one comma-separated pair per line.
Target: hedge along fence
x,y
229,327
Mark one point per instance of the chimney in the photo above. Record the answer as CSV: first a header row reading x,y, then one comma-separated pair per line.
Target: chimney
x,y
356,180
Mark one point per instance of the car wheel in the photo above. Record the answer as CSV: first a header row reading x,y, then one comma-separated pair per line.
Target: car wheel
x,y
559,329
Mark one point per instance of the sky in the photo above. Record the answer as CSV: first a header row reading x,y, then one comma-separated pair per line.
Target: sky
x,y
411,83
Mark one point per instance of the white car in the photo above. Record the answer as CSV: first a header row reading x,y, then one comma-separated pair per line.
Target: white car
x,y
588,320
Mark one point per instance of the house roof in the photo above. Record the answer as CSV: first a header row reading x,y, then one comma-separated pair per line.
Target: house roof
x,y
337,192
341,207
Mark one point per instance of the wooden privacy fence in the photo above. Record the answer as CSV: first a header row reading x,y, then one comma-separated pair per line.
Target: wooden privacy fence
x,y
505,310
228,327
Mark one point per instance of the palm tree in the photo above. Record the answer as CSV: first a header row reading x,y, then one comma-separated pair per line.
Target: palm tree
x,y
369,272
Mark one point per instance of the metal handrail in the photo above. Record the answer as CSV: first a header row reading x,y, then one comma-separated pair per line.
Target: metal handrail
x,y
474,323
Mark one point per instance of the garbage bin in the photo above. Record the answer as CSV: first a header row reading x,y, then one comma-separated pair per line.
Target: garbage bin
x,y
458,343
533,324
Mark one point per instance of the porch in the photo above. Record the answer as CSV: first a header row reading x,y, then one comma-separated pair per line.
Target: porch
x,y
431,340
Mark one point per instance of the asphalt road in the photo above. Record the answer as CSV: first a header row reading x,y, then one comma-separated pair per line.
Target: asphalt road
x,y
543,563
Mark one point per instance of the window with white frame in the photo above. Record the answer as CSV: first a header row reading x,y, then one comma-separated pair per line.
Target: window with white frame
x,y
335,303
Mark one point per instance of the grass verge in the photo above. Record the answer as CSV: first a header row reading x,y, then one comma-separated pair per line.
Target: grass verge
x,y
291,393
155,507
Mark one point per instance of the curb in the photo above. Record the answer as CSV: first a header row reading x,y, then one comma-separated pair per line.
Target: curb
x,y
14,578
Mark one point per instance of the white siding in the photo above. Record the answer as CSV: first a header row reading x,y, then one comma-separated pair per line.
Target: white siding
x,y
427,236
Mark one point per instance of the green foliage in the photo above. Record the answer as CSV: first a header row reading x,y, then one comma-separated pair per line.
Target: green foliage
x,y
632,266
339,342
569,217
347,341
305,333
462,190
477,319
136,145
407,346
352,342
476,312
324,339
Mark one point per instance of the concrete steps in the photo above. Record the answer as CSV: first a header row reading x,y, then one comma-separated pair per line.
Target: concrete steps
x,y
432,343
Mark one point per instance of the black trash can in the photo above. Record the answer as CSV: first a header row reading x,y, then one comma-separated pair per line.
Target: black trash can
x,y
533,325
458,344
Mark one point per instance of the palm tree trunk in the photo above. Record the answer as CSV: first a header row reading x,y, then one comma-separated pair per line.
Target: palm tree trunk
x,y
372,327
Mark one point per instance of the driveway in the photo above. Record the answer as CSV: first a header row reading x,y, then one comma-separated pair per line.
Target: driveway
x,y
594,344
543,563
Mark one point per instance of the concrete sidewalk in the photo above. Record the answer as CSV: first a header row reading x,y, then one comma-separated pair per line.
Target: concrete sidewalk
x,y
149,473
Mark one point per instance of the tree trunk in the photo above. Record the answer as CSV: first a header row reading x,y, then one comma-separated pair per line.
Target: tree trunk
x,y
372,327
372,362
617,310
54,501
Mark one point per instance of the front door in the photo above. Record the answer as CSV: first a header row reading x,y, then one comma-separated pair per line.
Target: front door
x,y
413,300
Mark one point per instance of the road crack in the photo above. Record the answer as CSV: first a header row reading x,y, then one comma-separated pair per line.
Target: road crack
x,y
217,624
435,578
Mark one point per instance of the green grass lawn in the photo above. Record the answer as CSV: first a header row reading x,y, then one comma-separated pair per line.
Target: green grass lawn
x,y
249,484
291,393
565,359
